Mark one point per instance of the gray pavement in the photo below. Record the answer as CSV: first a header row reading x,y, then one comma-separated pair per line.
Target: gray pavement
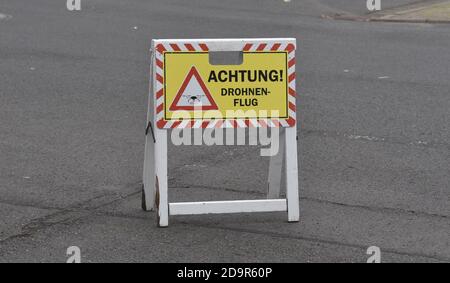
x,y
374,136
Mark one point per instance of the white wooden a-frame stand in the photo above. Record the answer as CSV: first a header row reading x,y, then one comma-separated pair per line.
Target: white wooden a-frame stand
x,y
155,177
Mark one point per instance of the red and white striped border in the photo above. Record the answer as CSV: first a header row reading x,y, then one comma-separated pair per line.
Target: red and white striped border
x,y
161,48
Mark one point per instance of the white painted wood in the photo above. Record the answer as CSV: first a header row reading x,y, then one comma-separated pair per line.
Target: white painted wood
x,y
226,40
149,175
237,206
232,44
292,175
161,172
276,168
160,155
155,163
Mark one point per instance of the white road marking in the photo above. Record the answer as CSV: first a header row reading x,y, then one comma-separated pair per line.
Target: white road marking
x,y
378,139
4,17
367,138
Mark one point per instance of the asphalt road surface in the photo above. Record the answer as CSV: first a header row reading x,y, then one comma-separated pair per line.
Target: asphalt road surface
x,y
374,136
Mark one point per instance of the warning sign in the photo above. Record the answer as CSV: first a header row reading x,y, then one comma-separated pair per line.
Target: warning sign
x,y
261,87
193,94
260,83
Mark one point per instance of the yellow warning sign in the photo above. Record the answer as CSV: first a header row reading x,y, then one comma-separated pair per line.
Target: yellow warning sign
x,y
259,84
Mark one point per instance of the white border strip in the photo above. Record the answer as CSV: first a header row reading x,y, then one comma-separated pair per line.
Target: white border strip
x,y
236,206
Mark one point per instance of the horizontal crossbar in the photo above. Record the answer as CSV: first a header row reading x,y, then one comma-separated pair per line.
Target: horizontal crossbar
x,y
235,206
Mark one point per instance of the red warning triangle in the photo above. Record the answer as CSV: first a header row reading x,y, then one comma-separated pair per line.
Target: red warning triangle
x,y
193,94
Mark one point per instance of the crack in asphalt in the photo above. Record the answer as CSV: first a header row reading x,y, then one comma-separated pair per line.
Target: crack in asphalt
x,y
282,236
277,235
367,138
66,215
213,188
77,211
379,209
321,241
30,205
